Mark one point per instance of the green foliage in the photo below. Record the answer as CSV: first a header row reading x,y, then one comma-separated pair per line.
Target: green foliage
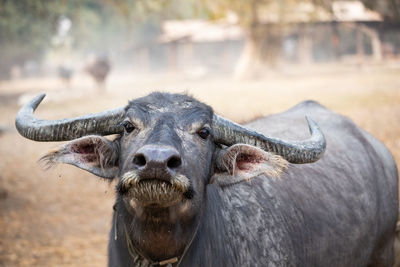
x,y
26,27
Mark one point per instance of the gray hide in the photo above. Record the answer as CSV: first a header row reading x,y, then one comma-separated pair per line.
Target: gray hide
x,y
339,211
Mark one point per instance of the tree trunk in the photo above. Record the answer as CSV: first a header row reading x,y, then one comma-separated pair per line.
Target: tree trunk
x,y
359,45
373,35
375,42
262,47
250,63
305,46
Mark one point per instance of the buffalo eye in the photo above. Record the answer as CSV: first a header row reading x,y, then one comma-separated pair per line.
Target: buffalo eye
x,y
128,126
203,133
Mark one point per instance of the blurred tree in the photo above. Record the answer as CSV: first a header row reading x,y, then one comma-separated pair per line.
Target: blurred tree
x,y
389,9
263,22
97,26
143,18
125,29
26,28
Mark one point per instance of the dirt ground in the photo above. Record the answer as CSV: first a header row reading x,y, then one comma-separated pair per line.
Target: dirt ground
x,y
61,216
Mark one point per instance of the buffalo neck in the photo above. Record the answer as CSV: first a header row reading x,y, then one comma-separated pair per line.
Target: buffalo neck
x,y
157,234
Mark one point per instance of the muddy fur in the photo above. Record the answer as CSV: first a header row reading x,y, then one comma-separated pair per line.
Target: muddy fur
x,y
244,162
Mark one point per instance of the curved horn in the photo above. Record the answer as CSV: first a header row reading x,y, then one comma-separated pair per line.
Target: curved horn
x,y
103,123
306,151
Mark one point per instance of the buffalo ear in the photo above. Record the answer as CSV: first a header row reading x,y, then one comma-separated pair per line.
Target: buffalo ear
x,y
242,162
93,153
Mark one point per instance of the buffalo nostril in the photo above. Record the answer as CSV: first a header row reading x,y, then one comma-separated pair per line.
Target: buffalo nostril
x,y
139,160
174,162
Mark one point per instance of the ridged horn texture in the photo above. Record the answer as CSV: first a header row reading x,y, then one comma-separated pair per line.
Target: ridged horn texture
x,y
108,122
103,123
306,151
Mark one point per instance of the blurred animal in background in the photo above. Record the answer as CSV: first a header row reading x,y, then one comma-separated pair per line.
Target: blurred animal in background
x,y
65,73
98,67
195,189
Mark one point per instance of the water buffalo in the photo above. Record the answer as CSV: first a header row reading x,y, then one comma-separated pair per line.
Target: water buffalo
x,y
98,67
195,189
65,73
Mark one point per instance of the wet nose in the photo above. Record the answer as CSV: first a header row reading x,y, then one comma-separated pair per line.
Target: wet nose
x,y
157,157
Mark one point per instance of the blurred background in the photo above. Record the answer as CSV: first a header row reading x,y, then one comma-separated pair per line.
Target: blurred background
x,y
244,58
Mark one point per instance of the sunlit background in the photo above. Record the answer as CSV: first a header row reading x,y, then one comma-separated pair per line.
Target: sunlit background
x,y
244,58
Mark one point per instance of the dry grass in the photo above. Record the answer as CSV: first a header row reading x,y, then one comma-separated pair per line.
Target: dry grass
x,y
61,217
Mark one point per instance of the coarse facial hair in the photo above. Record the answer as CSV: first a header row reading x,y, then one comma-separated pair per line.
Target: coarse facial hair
x,y
148,192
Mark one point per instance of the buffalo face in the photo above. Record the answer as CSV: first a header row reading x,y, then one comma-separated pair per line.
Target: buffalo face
x,y
165,153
